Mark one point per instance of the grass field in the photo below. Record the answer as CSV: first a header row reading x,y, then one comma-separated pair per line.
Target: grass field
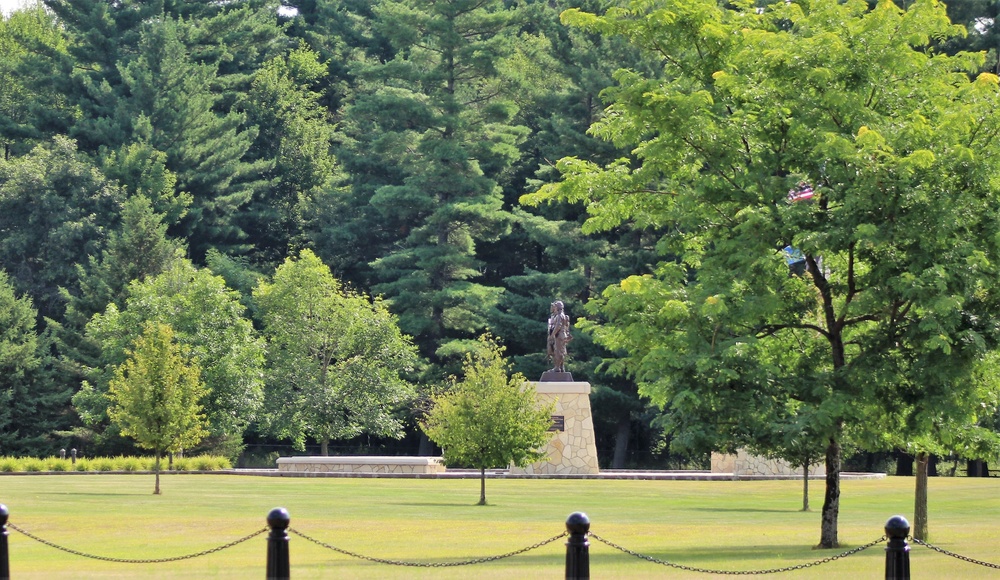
x,y
717,525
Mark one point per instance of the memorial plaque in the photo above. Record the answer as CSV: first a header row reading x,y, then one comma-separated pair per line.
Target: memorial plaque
x,y
558,423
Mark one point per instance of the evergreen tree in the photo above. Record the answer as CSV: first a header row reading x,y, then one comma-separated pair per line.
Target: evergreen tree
x,y
137,250
173,109
437,120
56,209
18,362
29,108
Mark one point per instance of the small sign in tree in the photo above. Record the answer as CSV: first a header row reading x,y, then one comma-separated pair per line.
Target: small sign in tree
x,y
489,419
155,395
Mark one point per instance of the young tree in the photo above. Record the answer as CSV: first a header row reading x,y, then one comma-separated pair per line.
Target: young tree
x,y
898,144
155,395
489,418
336,359
206,317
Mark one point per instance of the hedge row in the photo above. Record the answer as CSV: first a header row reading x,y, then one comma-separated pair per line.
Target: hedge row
x,y
120,463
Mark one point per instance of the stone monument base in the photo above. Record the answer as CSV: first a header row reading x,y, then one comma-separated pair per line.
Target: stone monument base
x,y
572,449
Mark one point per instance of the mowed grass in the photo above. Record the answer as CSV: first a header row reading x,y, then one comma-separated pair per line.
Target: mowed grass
x,y
719,525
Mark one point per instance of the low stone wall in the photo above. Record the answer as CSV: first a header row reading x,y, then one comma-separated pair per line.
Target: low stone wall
x,y
361,464
744,464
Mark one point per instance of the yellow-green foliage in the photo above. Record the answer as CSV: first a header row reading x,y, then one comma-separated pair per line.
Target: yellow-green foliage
x,y
56,464
120,463
128,463
33,464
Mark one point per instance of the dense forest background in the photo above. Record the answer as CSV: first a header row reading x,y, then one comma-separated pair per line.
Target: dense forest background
x,y
392,139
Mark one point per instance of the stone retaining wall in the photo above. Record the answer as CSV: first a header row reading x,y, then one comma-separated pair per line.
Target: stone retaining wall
x,y
744,464
361,464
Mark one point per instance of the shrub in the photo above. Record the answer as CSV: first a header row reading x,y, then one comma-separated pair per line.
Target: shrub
x,y
204,463
182,463
57,464
9,465
103,464
82,464
33,464
129,463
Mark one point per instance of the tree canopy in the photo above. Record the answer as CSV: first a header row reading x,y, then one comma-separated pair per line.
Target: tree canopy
x,y
834,131
156,394
337,359
490,417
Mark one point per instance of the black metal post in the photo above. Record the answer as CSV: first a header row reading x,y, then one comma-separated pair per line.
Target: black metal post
x,y
897,552
578,547
278,567
4,551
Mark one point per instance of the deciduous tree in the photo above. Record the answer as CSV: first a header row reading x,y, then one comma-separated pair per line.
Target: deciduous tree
x,y
897,144
336,359
208,319
156,395
489,418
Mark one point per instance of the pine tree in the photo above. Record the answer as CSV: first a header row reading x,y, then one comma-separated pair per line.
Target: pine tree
x,y
437,119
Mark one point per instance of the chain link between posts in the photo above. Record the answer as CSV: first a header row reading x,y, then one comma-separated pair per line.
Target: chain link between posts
x,y
954,555
427,564
737,572
131,560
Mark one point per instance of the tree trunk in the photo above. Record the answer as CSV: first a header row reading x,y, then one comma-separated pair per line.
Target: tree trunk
x,y
621,442
156,471
977,468
920,499
324,446
805,486
904,464
831,502
482,486
425,448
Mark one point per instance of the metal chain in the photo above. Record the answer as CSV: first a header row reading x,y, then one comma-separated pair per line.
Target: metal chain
x,y
738,572
427,564
135,561
954,555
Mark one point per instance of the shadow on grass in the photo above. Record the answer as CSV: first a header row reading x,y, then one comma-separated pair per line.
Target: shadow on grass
x,y
96,494
750,510
440,504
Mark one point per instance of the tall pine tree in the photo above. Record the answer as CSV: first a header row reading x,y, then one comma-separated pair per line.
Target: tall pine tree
x,y
437,116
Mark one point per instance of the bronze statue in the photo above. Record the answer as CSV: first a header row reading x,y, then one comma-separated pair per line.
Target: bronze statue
x,y
559,337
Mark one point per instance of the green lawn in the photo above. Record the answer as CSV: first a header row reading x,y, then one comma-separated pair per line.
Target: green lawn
x,y
719,525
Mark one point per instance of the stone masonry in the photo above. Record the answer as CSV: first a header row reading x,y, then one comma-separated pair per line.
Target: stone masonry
x,y
572,450
744,464
361,464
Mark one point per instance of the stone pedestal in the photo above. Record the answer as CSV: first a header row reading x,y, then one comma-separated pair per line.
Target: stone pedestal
x,y
572,450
